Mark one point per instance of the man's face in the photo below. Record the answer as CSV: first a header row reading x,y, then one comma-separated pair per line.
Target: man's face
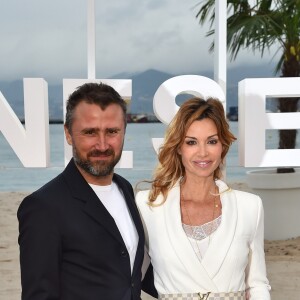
x,y
97,138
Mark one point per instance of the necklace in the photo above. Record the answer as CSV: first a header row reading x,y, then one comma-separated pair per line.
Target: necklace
x,y
213,224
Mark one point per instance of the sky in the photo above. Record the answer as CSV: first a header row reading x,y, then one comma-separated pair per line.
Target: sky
x,y
48,39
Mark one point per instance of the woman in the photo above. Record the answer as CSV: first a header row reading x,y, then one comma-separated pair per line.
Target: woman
x,y
204,239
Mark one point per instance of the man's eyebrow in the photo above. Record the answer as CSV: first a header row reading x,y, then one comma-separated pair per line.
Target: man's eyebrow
x,y
90,129
113,128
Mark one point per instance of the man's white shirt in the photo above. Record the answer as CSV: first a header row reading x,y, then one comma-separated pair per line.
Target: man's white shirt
x,y
113,200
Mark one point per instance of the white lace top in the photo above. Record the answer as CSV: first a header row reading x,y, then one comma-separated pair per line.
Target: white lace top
x,y
199,236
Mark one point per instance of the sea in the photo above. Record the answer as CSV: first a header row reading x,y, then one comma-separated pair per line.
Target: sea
x,y
15,177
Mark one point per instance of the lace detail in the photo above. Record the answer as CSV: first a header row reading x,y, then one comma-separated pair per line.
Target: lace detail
x,y
202,231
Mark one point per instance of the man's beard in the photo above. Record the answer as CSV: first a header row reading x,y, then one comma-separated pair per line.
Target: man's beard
x,y
99,168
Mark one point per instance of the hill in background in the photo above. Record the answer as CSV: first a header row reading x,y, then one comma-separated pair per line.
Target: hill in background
x,y
144,86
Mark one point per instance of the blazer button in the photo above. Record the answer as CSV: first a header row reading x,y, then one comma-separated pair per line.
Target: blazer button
x,y
123,253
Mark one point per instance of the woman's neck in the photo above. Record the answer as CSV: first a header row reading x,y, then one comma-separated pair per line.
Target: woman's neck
x,y
199,190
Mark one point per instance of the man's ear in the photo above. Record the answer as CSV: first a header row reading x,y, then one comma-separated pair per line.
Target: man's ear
x,y
68,135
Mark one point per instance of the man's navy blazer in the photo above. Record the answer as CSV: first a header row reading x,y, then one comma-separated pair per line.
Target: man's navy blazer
x,y
70,246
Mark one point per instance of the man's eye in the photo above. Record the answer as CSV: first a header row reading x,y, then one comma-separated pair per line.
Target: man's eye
x,y
112,131
89,132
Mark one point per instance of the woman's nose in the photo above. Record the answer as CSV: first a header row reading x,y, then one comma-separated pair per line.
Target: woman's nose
x,y
202,150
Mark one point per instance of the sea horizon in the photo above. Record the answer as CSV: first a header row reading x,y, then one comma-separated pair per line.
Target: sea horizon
x,y
15,177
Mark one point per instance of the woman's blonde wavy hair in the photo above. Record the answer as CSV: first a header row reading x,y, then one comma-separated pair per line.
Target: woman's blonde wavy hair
x,y
170,168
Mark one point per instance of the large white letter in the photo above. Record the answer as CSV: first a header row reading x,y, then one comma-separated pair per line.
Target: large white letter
x,y
254,121
31,144
123,87
164,102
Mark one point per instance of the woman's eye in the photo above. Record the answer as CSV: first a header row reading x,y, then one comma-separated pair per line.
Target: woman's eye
x,y
213,142
191,142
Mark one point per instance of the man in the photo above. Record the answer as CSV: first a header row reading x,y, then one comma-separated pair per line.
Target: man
x,y
81,237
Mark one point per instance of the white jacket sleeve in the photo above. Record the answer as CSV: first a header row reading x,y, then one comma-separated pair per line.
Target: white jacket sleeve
x,y
257,285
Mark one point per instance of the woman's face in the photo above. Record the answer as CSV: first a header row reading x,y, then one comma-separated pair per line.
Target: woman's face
x,y
201,149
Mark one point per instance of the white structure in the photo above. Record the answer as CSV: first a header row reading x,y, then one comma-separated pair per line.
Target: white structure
x,y
220,54
254,121
31,144
280,193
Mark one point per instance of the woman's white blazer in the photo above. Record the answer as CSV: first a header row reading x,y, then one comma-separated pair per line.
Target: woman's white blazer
x,y
234,260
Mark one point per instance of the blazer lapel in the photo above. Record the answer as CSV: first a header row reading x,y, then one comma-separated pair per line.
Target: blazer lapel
x,y
219,244
93,207
130,201
221,240
96,210
181,244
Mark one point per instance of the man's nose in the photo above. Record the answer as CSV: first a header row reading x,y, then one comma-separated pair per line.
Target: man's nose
x,y
102,143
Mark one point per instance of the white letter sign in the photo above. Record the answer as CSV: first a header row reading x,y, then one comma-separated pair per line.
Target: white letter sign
x,y
254,121
31,144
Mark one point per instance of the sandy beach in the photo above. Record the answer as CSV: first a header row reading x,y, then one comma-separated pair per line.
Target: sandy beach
x,y
283,257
